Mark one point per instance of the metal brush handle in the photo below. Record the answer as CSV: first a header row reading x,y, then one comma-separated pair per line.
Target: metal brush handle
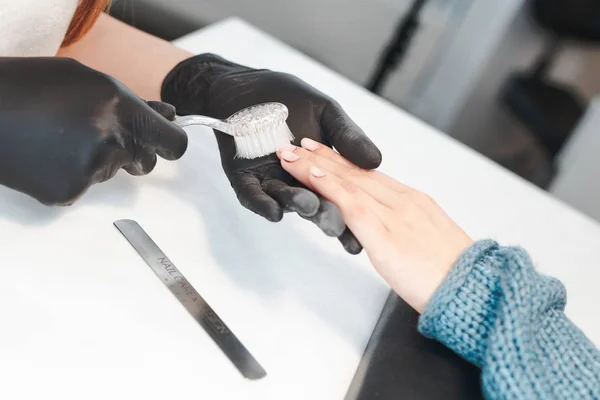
x,y
213,123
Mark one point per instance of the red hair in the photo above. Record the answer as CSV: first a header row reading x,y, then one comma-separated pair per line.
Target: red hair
x,y
86,14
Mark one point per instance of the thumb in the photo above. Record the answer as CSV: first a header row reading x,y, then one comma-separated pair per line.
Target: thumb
x,y
155,130
348,138
165,109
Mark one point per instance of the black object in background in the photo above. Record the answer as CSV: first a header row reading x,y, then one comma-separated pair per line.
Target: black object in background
x,y
396,49
569,19
549,109
400,363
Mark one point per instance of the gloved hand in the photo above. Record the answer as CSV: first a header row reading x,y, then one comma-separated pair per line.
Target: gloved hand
x,y
64,127
210,85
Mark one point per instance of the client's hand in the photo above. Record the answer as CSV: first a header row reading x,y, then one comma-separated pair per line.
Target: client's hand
x,y
411,242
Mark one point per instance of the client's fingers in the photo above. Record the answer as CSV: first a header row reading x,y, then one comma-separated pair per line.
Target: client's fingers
x,y
330,154
357,210
325,151
299,169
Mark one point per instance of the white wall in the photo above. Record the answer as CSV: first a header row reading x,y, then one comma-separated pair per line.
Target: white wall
x,y
479,30
346,35
578,182
454,41
481,121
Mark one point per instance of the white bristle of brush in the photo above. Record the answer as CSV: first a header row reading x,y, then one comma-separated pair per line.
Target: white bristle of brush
x,y
263,142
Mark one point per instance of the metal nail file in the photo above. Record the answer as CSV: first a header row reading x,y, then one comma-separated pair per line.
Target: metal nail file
x,y
191,300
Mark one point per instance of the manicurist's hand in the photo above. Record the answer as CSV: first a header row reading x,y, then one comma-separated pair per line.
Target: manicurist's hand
x,y
210,85
64,127
409,239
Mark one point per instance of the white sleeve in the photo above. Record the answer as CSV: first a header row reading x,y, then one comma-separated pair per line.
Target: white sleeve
x,y
34,27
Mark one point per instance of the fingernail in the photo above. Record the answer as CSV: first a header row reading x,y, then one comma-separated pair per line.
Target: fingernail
x,y
288,147
310,144
289,157
316,172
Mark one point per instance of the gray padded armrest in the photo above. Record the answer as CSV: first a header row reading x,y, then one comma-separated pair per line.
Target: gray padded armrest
x,y
159,18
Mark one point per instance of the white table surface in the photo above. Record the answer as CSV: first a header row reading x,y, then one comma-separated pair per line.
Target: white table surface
x,y
84,317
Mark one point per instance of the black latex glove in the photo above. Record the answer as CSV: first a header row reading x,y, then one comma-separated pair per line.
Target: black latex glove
x,y
210,85
64,127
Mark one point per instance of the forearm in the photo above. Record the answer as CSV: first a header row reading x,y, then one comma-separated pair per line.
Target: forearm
x,y
139,60
496,311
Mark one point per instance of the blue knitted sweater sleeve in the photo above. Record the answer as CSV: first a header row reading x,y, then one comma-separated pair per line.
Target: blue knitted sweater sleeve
x,y
496,311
